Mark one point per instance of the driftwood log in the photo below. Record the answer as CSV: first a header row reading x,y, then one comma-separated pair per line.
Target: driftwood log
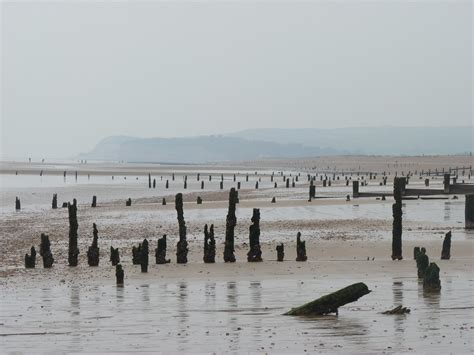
x,y
331,302
398,310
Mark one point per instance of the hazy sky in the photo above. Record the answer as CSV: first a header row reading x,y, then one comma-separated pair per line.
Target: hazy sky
x,y
76,72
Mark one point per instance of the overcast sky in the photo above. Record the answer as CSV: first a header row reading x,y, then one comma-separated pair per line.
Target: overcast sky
x,y
76,72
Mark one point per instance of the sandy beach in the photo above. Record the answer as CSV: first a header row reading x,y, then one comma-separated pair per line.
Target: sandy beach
x,y
238,306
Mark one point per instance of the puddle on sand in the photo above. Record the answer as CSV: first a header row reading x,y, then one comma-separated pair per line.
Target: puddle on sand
x,y
223,316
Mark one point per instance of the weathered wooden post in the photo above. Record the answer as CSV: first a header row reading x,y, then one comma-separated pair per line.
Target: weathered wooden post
x,y
114,256
154,183
54,203
182,246
185,184
256,185
300,248
167,185
128,203
73,251
280,252
446,183
198,176
163,201
45,251
209,245
94,201
93,251
312,189
469,211
231,222
221,185
397,219
202,185
422,262
273,199
446,252
238,185
255,252
136,253
30,260
144,256
416,252
431,282
149,180
17,204
355,188
199,200
287,183
427,182
160,251
172,176
119,274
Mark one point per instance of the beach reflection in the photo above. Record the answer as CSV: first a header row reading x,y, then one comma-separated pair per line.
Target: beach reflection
x,y
236,316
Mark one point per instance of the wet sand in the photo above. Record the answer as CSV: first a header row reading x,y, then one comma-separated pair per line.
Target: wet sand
x,y
229,307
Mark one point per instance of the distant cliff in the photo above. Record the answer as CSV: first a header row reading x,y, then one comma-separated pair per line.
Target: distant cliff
x,y
203,149
374,140
287,143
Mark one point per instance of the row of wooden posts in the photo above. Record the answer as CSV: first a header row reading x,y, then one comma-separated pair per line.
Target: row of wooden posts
x,y
140,253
